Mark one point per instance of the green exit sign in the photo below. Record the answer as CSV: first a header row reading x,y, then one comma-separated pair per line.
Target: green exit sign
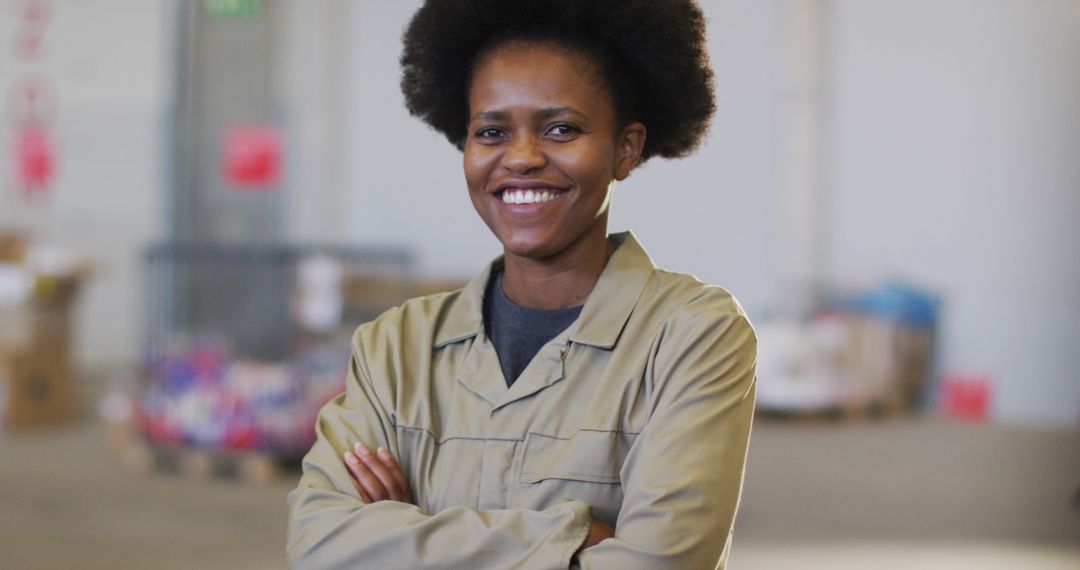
x,y
232,8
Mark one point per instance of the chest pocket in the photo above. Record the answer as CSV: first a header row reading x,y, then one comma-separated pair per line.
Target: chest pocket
x,y
584,467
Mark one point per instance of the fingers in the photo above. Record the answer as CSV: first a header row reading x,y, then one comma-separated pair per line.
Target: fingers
x,y
395,470
377,476
366,483
360,489
391,486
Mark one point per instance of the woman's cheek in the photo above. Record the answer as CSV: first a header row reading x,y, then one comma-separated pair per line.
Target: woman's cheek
x,y
478,167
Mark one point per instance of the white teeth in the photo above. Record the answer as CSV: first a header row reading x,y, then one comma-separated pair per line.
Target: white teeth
x,y
527,196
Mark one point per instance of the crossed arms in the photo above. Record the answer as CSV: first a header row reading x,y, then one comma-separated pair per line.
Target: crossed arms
x,y
681,481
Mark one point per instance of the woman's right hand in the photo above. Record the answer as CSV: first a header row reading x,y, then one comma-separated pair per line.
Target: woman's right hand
x,y
377,475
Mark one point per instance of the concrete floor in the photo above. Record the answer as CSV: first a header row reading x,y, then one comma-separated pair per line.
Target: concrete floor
x,y
839,496
909,494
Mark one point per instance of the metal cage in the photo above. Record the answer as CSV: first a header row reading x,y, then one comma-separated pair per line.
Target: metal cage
x,y
232,362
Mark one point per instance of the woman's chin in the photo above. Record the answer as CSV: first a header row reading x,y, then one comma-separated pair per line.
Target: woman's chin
x,y
529,249
552,243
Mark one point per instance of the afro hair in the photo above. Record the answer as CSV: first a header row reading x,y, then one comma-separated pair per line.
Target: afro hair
x,y
651,54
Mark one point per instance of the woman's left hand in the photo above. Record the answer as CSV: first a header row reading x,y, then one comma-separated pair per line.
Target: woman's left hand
x,y
377,475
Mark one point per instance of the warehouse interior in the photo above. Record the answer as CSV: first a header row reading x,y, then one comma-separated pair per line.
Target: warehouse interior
x,y
199,200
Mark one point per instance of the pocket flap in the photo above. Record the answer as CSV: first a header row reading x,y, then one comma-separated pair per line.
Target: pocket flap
x,y
589,455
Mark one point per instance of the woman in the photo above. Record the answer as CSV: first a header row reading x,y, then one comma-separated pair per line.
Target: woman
x,y
573,405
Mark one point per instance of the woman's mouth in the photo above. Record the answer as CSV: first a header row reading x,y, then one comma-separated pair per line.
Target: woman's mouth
x,y
530,196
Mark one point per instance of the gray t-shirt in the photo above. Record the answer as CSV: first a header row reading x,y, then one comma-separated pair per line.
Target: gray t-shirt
x,y
517,332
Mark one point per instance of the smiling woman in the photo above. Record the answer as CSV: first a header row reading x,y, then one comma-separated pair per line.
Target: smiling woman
x,y
573,405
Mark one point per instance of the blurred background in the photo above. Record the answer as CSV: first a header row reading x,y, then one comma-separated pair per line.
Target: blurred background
x,y
200,199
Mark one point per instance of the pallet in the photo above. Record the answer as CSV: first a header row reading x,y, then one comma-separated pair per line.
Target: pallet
x,y
202,464
871,411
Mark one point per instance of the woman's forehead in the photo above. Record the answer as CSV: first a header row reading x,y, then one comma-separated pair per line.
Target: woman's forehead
x,y
536,75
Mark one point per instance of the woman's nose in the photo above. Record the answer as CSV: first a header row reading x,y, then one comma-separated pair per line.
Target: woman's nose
x,y
524,155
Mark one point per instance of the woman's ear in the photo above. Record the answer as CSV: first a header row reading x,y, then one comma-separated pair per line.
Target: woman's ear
x,y
628,149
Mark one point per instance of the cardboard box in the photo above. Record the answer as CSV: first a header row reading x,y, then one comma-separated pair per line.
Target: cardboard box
x,y
36,388
36,376
887,363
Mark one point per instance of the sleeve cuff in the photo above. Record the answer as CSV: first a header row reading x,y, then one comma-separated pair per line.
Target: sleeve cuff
x,y
578,531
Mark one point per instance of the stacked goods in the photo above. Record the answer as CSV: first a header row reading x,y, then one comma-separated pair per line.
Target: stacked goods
x,y
889,356
200,396
38,289
866,351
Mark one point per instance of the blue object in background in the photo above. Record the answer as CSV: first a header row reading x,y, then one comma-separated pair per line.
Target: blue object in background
x,y
895,301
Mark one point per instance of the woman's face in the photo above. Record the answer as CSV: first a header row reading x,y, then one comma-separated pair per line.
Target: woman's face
x,y
543,149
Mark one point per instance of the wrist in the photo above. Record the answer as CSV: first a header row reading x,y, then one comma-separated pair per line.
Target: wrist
x,y
599,531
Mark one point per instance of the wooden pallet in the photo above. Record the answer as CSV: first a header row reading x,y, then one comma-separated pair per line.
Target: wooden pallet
x,y
248,466
869,411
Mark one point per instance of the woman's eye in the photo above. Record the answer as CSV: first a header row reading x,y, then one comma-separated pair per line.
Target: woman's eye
x,y
564,131
488,133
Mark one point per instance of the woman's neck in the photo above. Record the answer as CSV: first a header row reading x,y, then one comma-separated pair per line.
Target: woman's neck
x,y
559,282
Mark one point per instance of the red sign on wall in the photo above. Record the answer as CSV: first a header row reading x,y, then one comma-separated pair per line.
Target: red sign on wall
x,y
35,159
31,104
252,157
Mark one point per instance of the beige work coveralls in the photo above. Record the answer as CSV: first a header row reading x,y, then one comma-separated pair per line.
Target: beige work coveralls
x,y
638,414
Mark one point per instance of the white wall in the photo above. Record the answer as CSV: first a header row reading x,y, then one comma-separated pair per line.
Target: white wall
x,y
109,64
956,163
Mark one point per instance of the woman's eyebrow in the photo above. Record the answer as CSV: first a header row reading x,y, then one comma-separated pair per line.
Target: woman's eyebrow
x,y
542,114
552,112
490,116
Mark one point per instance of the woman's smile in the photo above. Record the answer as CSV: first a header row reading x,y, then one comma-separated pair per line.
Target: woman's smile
x,y
521,192
517,196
